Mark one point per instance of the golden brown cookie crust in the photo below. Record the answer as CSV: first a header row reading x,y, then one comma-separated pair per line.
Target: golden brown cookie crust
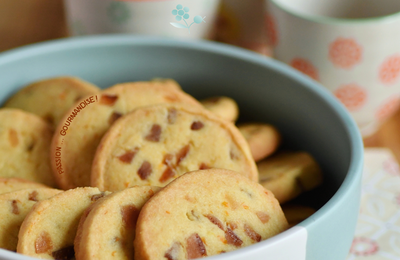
x,y
224,107
14,206
107,228
289,174
25,146
14,184
79,133
49,229
263,139
51,98
154,145
205,213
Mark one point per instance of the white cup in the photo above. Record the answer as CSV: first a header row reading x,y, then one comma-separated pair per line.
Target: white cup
x,y
351,46
154,17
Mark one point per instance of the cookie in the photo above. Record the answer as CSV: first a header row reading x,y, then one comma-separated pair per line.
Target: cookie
x,y
154,145
25,146
224,107
49,229
296,213
289,174
107,228
263,139
14,184
13,208
51,98
77,136
204,213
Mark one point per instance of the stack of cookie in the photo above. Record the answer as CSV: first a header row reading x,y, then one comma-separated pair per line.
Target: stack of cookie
x,y
143,171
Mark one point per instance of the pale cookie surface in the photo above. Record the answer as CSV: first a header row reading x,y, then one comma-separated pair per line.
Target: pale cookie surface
x,y
205,213
154,145
13,208
289,174
51,98
107,228
223,107
25,146
14,184
49,229
76,139
263,139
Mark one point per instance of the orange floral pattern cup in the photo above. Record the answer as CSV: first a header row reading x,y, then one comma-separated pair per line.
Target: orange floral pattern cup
x,y
352,47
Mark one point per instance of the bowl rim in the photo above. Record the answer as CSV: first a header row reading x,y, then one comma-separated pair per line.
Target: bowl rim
x,y
354,172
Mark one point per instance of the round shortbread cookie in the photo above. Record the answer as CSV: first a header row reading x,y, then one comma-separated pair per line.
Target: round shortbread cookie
x,y
205,213
49,229
289,174
107,228
263,139
25,146
13,208
78,135
51,98
224,107
154,145
14,184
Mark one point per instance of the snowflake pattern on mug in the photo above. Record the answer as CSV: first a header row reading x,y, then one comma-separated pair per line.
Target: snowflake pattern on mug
x,y
388,108
363,246
181,14
306,67
345,53
390,70
272,32
352,96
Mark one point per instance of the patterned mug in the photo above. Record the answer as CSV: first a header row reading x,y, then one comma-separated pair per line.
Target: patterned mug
x,y
170,18
351,47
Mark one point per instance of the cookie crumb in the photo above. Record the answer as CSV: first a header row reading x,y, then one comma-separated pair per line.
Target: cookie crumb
x,y
195,247
196,125
182,154
128,156
215,221
264,217
172,115
95,197
108,100
145,170
251,233
172,253
154,135
167,174
14,205
43,243
33,196
204,166
232,238
13,137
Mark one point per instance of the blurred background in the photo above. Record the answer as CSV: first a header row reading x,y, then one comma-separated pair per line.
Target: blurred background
x,y
238,22
25,21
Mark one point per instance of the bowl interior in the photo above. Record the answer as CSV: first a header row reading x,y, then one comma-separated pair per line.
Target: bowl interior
x,y
266,90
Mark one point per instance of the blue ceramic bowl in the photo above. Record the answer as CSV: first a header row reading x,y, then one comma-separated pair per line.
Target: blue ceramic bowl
x,y
308,117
